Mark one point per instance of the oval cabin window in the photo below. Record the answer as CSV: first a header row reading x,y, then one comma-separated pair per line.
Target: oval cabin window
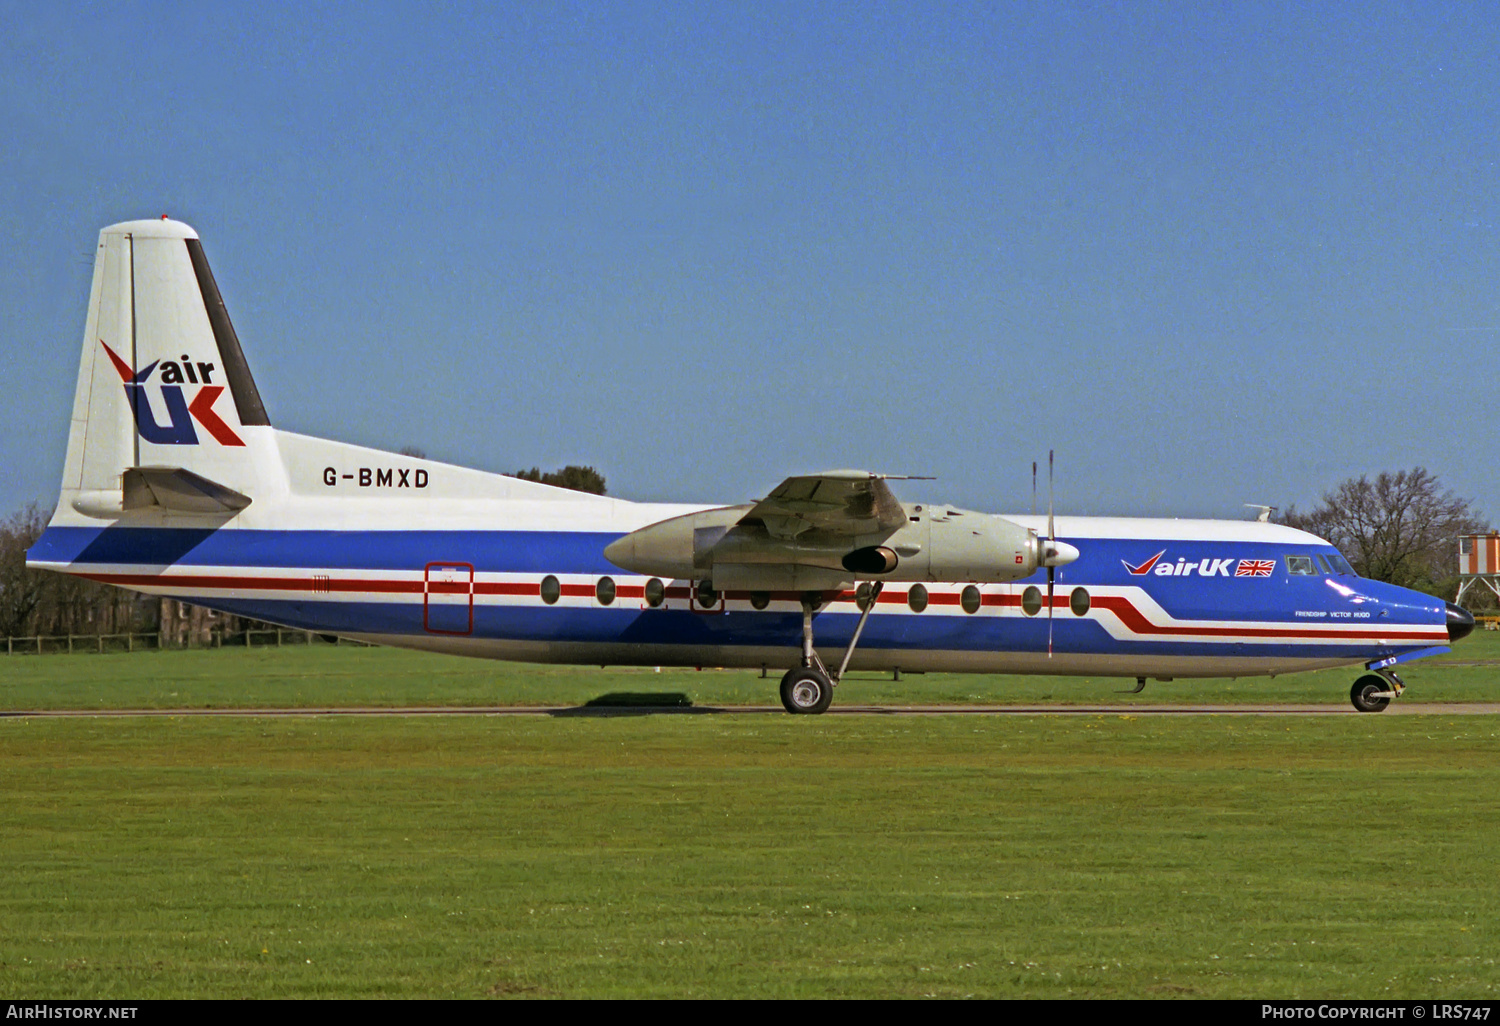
x,y
1031,601
551,589
1079,601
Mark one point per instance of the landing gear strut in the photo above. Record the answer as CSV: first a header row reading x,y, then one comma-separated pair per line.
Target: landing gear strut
x,y
1374,691
809,687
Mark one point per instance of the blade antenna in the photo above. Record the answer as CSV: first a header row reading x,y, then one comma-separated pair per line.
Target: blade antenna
x,y
1050,550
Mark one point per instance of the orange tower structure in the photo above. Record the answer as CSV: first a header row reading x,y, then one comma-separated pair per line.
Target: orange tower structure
x,y
1478,560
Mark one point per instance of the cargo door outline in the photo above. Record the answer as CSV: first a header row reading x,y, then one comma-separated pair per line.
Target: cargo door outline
x,y
448,598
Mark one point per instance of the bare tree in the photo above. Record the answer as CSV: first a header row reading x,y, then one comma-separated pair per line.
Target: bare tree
x,y
1402,527
39,602
22,591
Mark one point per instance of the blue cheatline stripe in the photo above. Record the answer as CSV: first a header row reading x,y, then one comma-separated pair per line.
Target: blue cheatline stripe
x,y
958,633
566,552
536,552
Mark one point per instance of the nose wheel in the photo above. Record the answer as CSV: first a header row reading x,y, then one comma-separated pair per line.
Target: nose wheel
x,y
1374,691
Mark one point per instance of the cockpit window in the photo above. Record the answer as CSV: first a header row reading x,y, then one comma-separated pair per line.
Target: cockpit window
x,y
1322,565
1341,565
1300,565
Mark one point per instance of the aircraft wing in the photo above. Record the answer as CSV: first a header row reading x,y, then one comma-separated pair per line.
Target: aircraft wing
x,y
838,502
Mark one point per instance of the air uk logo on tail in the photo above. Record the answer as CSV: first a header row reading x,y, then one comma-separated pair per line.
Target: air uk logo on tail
x,y
181,413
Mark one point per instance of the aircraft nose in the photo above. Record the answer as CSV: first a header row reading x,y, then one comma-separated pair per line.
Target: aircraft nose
x,y
1460,622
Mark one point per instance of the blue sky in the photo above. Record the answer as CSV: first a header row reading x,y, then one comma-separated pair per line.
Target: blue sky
x,y
1210,253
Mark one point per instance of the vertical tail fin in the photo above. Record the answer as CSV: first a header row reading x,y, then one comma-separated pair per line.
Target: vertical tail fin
x,y
163,385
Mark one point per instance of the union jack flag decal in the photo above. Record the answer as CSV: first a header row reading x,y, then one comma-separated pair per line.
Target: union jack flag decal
x,y
1255,568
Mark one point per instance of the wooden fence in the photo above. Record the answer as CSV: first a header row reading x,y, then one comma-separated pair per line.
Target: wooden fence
x,y
52,644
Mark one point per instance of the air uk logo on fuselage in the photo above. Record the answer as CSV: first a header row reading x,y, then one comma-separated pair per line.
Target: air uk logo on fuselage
x,y
1211,567
181,413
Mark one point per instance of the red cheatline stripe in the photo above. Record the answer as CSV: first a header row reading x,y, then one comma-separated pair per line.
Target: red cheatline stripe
x,y
1137,622
507,588
1121,606
258,583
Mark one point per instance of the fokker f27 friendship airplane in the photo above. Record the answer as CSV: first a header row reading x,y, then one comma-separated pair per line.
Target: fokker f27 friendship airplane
x,y
176,484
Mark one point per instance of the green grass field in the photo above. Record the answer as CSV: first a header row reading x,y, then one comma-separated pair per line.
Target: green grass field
x,y
322,675
732,856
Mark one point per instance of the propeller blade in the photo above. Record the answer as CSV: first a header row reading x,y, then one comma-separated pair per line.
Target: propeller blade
x,y
1051,540
1051,526
1033,487
1050,572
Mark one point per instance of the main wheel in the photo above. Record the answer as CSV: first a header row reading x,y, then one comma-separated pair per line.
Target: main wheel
x,y
805,690
1366,693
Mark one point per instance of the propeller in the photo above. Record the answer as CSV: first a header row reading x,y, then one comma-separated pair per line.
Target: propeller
x,y
1050,551
1053,553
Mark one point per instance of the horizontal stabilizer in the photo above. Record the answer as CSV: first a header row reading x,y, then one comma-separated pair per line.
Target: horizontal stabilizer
x,y
180,491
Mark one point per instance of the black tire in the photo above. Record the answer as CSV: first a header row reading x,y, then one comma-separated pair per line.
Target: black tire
x,y
805,690
1364,691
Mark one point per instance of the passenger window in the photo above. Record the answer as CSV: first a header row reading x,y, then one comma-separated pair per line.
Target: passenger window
x,y
916,598
707,597
656,592
1079,601
551,589
604,591
1031,601
1300,565
970,599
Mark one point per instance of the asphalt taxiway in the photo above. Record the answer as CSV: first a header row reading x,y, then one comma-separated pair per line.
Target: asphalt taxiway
x,y
1398,709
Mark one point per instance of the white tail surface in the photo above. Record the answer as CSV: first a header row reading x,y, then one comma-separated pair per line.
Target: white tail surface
x,y
162,382
167,421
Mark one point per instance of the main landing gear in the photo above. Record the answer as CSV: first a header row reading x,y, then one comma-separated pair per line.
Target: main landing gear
x,y
1374,691
809,688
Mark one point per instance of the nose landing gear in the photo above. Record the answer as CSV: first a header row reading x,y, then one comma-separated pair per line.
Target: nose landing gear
x,y
1374,691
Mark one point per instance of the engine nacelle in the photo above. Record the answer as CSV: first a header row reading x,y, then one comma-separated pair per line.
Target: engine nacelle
x,y
935,544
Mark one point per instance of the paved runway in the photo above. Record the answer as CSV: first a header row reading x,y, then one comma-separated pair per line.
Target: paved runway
x,y
1397,708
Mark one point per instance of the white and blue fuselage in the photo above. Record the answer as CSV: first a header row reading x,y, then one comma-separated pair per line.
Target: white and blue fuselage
x,y
466,589
177,485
